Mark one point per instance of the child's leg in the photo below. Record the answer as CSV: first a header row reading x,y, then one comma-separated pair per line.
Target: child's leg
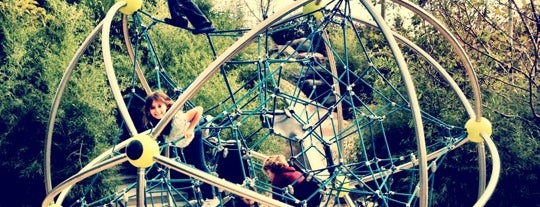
x,y
196,157
306,189
193,13
177,17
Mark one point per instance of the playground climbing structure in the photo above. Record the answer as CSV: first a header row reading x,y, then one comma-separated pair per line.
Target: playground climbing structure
x,y
313,90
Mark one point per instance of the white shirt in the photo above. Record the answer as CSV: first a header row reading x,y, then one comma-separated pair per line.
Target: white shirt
x,y
179,126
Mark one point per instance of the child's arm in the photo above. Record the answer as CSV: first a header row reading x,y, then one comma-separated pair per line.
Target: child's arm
x,y
193,116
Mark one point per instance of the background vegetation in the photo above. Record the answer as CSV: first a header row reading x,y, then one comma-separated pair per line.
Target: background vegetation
x,y
39,38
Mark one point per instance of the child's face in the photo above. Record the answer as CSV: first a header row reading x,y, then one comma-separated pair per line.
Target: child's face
x,y
158,109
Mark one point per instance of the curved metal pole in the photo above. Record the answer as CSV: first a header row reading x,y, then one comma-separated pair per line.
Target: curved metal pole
x,y
457,47
83,175
108,153
56,102
333,69
472,78
113,82
482,168
129,49
122,107
220,183
413,101
495,171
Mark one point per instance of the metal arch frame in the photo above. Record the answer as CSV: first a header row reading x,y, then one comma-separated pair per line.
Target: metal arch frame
x,y
56,103
111,77
482,194
413,99
63,83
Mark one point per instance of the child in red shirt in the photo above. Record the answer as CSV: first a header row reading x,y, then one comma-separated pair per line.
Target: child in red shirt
x,y
282,175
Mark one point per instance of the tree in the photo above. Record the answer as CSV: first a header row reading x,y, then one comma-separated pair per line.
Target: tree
x,y
502,40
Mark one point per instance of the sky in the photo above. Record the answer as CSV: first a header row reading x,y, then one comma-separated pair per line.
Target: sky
x,y
251,7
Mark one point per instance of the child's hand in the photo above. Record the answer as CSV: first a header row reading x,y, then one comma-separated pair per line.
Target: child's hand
x,y
189,134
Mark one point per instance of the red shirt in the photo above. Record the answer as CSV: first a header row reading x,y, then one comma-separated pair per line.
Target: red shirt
x,y
286,176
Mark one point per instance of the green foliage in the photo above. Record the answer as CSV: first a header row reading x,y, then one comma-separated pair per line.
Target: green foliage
x,y
23,107
39,41
37,46
503,58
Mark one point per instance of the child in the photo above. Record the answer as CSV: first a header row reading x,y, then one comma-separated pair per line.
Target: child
x,y
182,124
282,175
181,8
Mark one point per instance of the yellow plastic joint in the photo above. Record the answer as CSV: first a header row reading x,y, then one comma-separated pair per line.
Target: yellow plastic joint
x,y
131,6
475,128
141,151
